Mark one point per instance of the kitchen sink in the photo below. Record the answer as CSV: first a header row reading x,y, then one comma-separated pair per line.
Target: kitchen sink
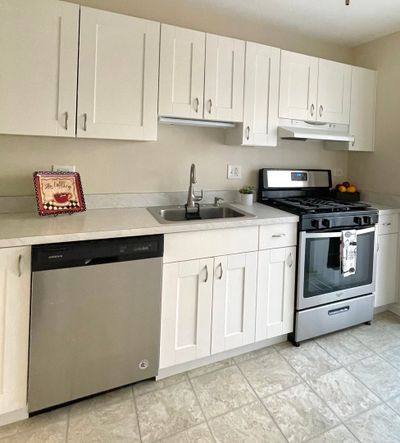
x,y
171,214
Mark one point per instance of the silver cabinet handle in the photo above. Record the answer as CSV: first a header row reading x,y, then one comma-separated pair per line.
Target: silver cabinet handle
x,y
19,265
312,109
321,110
210,103
278,235
85,121
66,121
290,260
247,132
387,224
221,273
206,269
353,142
196,104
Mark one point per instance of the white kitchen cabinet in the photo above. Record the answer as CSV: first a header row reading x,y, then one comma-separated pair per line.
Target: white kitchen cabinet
x,y
186,311
298,86
118,76
224,78
182,58
234,301
387,269
334,92
39,62
15,280
261,95
275,292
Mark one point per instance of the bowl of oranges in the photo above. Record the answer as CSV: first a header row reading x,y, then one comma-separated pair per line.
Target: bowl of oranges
x,y
346,192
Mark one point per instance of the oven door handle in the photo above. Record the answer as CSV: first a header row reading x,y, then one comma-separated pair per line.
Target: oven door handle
x,y
339,233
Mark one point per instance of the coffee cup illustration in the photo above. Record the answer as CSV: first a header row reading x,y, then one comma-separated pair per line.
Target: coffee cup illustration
x,y
62,197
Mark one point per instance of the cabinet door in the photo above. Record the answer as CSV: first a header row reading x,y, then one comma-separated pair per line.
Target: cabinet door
x,y
334,90
186,311
234,301
224,79
15,280
299,86
386,270
275,292
362,113
39,62
118,76
260,119
182,57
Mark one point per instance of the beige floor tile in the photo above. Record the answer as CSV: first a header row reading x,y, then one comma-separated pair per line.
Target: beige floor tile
x,y
107,418
375,337
300,414
46,427
249,424
344,347
210,368
345,395
392,355
198,434
377,375
284,345
222,391
339,434
167,411
379,425
394,403
310,360
269,374
255,354
152,385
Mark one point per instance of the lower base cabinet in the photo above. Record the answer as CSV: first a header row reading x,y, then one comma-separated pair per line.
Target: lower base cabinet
x,y
275,292
208,306
387,269
15,285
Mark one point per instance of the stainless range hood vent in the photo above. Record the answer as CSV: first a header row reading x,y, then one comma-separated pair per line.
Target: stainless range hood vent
x,y
194,122
302,131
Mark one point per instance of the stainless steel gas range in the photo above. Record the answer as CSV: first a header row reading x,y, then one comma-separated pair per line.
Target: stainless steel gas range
x,y
336,251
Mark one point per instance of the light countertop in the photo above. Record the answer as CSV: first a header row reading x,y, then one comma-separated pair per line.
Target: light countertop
x,y
25,229
383,209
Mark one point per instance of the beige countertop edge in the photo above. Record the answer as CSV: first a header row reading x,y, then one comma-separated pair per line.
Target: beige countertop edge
x,y
27,229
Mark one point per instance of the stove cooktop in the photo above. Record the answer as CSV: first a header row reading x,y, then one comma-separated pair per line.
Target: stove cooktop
x,y
312,205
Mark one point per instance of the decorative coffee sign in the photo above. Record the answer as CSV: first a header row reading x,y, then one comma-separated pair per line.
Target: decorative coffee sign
x,y
58,192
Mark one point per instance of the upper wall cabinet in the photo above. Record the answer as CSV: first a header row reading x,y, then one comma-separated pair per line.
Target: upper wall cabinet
x,y
38,52
118,76
298,87
182,57
314,89
201,76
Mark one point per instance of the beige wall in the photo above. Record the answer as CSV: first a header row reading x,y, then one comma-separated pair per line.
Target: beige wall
x,y
115,166
379,171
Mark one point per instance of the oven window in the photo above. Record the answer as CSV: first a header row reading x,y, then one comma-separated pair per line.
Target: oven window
x,y
322,273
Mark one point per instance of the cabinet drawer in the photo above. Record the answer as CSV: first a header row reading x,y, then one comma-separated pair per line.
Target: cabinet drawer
x,y
388,224
200,244
278,236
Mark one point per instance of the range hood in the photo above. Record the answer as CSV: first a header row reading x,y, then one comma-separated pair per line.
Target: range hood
x,y
194,122
302,130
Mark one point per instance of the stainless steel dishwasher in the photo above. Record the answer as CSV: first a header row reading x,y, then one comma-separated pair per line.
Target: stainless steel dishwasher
x,y
95,317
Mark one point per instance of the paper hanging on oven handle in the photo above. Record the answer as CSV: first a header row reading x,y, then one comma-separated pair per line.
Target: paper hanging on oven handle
x,y
348,252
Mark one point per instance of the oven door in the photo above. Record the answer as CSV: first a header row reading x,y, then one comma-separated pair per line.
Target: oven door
x,y
320,279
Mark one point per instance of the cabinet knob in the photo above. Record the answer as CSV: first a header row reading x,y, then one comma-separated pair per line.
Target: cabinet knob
x,y
85,121
290,260
196,104
206,278
247,132
221,274
312,109
66,121
321,110
19,265
210,103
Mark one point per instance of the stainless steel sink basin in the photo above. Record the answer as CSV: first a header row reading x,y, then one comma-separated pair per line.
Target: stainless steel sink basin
x,y
173,214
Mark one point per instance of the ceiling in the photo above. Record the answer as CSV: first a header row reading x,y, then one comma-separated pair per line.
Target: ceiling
x,y
331,20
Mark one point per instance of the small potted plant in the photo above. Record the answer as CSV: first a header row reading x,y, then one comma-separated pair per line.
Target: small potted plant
x,y
247,195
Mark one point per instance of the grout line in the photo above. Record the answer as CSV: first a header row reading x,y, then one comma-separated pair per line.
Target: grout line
x,y
68,422
136,412
210,372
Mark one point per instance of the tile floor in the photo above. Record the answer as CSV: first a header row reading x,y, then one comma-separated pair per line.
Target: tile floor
x,y
344,387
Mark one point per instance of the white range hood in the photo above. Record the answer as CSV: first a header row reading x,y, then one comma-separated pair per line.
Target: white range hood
x,y
301,130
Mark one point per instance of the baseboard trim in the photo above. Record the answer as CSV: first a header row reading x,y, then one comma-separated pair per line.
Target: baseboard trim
x,y
395,308
12,417
183,367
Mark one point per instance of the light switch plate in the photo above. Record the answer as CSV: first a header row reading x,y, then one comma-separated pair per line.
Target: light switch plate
x,y
338,172
234,172
63,168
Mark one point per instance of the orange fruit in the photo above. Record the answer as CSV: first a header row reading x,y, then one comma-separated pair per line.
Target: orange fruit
x,y
352,189
342,188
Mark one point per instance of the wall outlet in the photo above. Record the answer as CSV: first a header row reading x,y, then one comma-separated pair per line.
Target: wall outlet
x,y
234,172
63,168
338,172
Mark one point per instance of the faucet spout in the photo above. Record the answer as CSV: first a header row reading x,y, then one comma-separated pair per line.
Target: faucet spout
x,y
192,197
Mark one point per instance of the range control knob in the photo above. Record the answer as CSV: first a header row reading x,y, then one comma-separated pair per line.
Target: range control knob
x,y
358,221
368,220
327,222
316,223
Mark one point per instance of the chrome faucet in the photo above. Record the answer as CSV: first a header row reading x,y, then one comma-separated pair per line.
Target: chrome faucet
x,y
192,197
